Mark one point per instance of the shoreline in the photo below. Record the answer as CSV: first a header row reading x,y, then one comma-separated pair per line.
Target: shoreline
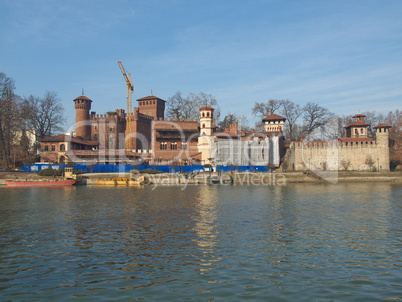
x,y
241,178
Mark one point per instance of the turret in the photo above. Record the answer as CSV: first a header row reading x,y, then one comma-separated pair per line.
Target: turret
x,y
82,106
382,134
358,128
382,140
206,120
273,122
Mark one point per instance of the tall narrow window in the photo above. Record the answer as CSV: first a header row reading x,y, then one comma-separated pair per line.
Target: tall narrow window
x,y
173,146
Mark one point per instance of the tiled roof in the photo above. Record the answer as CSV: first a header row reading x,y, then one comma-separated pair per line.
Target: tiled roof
x,y
176,125
355,139
382,125
207,108
83,97
274,117
150,97
67,138
357,124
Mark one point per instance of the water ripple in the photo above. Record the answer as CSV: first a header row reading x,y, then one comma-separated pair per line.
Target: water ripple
x,y
293,243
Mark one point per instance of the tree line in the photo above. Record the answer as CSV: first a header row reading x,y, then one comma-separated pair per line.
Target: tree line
x,y
21,117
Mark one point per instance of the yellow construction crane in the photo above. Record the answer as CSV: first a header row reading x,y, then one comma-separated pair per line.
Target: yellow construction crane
x,y
130,89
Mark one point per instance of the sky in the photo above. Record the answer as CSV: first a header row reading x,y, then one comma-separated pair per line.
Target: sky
x,y
343,55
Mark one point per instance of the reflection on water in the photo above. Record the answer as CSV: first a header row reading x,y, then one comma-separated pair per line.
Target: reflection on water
x,y
286,243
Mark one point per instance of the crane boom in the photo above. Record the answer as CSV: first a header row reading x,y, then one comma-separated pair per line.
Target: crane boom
x,y
130,89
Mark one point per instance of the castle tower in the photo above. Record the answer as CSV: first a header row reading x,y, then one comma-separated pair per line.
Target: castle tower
x,y
382,140
152,106
206,120
273,122
82,106
358,128
206,137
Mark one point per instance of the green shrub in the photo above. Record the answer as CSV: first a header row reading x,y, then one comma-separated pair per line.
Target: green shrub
x,y
50,172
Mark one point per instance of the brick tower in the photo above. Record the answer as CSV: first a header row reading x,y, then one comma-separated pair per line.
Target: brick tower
x,y
82,106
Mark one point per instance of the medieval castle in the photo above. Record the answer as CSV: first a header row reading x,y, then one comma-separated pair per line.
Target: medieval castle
x,y
157,140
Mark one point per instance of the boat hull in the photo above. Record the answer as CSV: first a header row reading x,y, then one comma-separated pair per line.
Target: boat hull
x,y
60,183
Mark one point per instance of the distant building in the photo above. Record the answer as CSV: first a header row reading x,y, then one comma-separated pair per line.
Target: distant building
x,y
356,151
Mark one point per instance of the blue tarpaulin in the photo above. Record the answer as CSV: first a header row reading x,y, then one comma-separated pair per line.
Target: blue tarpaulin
x,y
103,168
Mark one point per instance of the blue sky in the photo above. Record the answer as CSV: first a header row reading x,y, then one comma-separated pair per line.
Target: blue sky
x,y
344,55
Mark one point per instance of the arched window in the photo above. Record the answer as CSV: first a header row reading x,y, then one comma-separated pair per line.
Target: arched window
x,y
203,114
203,125
62,147
207,114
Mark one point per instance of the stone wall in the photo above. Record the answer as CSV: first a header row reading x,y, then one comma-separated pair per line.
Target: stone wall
x,y
335,155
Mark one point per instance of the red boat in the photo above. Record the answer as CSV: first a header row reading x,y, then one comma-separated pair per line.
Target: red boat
x,y
40,183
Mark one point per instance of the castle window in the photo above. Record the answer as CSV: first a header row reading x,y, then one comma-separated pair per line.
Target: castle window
x,y
203,125
154,102
173,146
208,114
203,114
53,148
379,130
163,146
361,130
46,148
62,147
183,146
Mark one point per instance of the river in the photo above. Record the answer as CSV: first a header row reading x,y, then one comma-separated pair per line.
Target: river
x,y
299,242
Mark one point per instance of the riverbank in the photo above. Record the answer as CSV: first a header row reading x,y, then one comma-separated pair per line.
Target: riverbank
x,y
241,178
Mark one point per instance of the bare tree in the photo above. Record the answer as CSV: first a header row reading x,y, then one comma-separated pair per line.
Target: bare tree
x,y
9,117
261,109
315,117
175,106
231,119
44,115
291,112
394,119
189,107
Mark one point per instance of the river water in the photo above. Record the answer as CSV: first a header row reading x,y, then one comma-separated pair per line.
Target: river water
x,y
299,242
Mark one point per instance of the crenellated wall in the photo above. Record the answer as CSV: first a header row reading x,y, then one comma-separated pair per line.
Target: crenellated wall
x,y
337,155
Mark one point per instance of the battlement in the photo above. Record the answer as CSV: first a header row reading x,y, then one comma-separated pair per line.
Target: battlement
x,y
326,144
111,116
